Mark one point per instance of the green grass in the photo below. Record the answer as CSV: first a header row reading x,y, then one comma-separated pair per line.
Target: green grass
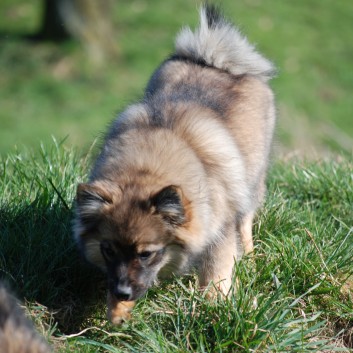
x,y
48,89
294,295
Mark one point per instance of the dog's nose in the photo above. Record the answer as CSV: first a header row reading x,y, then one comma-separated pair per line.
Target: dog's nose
x,y
123,292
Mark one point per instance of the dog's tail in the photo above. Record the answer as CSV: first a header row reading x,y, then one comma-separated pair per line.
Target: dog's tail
x,y
216,42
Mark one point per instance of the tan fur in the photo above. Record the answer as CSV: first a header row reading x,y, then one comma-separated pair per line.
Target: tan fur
x,y
118,311
182,172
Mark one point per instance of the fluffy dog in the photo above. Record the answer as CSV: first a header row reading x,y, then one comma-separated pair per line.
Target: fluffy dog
x,y
17,334
182,172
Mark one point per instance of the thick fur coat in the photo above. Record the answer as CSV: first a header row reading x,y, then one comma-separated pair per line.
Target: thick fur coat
x,y
182,172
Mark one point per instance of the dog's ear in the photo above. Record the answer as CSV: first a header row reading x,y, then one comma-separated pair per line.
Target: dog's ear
x,y
90,201
92,196
169,203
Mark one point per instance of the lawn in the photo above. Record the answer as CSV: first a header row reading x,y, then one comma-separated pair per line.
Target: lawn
x,y
294,295
295,292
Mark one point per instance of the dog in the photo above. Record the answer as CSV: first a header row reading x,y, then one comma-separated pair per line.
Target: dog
x,y
17,334
182,172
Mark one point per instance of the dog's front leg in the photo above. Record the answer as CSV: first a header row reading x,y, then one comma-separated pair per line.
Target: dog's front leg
x,y
118,311
218,261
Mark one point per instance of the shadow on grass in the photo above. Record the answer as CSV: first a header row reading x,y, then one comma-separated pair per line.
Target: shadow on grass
x,y
40,261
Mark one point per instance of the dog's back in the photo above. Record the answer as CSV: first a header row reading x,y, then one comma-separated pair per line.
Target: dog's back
x,y
217,68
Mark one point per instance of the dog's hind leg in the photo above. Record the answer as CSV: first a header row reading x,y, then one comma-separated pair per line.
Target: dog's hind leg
x,y
244,227
245,222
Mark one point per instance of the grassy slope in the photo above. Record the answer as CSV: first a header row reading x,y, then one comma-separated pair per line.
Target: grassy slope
x,y
297,276
49,89
303,237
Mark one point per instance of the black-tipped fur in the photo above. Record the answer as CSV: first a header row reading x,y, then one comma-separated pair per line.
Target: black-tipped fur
x,y
214,15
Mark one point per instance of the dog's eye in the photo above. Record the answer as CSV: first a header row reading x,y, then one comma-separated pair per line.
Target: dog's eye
x,y
144,255
107,250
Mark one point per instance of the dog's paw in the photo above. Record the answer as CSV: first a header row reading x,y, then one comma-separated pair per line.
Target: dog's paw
x,y
119,311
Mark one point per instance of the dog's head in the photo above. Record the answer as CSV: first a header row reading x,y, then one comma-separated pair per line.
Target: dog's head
x,y
129,232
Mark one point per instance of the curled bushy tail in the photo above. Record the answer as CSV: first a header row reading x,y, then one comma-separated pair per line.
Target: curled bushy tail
x,y
218,43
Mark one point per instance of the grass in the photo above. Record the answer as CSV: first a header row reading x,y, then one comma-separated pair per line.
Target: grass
x,y
48,89
294,295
